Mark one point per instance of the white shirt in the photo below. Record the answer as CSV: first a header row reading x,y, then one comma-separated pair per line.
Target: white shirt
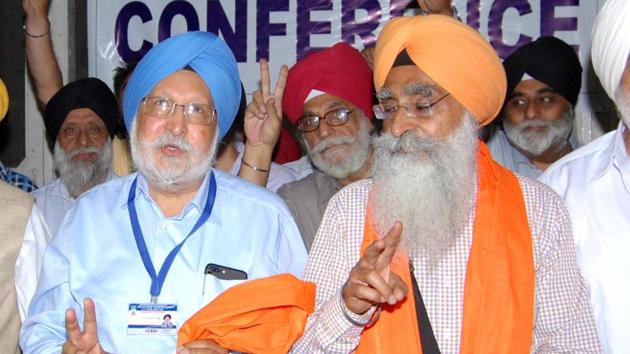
x,y
54,201
595,182
29,260
303,167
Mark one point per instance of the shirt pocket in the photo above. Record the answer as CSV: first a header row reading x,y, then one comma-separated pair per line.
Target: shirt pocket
x,y
212,286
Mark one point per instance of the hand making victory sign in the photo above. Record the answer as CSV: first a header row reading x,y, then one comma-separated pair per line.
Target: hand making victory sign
x,y
371,282
86,341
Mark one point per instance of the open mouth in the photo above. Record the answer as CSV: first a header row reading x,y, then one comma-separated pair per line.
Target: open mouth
x,y
172,150
85,156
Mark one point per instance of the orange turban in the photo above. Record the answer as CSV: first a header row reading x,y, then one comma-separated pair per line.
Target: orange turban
x,y
454,55
263,316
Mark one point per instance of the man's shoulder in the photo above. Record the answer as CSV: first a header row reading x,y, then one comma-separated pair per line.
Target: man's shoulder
x,y
115,189
353,195
237,191
583,159
13,196
536,192
299,187
51,188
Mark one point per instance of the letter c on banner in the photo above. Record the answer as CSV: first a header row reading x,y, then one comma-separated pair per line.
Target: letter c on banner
x,y
134,8
495,20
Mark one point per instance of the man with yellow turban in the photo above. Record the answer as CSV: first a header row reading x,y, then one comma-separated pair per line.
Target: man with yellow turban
x,y
6,174
595,183
443,250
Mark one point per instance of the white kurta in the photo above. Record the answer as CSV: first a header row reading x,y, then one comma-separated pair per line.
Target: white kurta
x,y
595,182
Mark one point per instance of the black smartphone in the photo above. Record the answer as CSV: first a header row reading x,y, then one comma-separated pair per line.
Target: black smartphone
x,y
225,273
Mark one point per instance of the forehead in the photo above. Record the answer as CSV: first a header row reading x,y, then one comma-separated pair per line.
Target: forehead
x,y
82,116
532,86
407,80
325,102
182,82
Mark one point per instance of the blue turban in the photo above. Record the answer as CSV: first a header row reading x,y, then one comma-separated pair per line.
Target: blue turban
x,y
207,55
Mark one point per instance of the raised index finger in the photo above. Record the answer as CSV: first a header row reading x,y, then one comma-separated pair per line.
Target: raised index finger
x,y
391,241
265,81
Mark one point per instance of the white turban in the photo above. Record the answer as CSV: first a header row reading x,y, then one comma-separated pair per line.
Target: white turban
x,y
611,43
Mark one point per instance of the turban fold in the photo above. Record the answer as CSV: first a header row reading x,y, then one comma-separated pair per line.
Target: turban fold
x,y
454,55
549,60
4,100
89,93
208,55
339,71
611,43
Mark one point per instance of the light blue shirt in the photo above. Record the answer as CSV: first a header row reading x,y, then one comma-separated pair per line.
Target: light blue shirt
x,y
94,255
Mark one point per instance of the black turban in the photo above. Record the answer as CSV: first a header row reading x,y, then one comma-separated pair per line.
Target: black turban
x,y
89,93
548,60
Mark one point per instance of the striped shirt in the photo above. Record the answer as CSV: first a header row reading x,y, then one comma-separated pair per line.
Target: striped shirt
x,y
563,317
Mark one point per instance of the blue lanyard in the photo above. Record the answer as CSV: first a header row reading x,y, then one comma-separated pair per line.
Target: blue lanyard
x,y
157,280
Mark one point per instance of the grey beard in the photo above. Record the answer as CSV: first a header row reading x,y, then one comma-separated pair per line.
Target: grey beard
x,y
556,134
355,157
177,172
426,184
622,100
80,176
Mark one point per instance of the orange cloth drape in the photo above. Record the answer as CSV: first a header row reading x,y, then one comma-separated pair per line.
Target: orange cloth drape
x,y
499,289
262,316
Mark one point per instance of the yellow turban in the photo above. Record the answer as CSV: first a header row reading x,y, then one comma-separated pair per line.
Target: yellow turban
x,y
4,100
454,55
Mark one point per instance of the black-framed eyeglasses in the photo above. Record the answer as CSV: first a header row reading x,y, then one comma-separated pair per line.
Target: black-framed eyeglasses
x,y
162,107
335,117
419,109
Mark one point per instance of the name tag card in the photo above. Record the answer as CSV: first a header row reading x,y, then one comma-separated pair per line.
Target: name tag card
x,y
152,319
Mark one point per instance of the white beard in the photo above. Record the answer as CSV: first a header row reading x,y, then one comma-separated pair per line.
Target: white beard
x,y
555,135
622,100
344,163
80,175
184,170
426,184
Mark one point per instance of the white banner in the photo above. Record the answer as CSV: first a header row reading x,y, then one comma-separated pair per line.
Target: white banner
x,y
284,30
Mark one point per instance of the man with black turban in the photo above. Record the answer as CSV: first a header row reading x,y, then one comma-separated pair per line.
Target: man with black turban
x,y
544,79
80,121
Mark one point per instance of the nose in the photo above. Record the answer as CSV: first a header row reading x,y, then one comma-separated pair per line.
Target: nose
x,y
399,123
84,139
532,111
324,129
176,123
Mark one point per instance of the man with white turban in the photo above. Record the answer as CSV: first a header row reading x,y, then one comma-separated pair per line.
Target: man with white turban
x,y
168,239
595,182
443,249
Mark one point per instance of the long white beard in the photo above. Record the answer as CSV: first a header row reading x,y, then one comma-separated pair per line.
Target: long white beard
x,y
341,164
536,142
427,185
622,100
174,172
81,175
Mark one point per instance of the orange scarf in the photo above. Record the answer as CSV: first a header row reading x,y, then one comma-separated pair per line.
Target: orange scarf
x,y
499,290
263,316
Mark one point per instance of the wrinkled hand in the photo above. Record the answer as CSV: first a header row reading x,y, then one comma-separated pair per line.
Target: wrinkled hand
x,y
371,282
35,7
85,342
442,7
205,346
263,116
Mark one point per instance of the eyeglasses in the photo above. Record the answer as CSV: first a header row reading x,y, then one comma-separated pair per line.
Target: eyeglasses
x,y
419,109
333,118
195,113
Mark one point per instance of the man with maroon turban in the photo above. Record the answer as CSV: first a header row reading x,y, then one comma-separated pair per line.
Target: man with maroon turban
x,y
443,250
328,97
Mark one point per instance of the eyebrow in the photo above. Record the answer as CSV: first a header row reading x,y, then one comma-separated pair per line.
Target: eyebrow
x,y
521,94
419,89
332,105
384,94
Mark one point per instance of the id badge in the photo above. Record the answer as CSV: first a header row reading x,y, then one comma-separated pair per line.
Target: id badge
x,y
152,319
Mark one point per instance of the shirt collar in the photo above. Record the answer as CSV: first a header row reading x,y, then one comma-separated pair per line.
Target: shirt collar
x,y
198,202
614,155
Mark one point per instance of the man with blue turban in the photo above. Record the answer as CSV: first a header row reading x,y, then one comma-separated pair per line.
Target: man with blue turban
x,y
170,238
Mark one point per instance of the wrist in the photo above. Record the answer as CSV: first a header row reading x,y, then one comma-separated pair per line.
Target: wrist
x,y
36,28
